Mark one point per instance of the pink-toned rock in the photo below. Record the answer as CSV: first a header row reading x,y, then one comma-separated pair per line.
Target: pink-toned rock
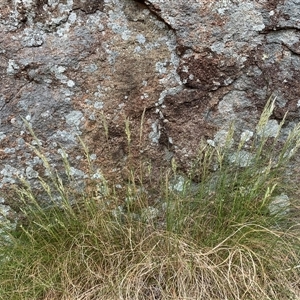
x,y
191,67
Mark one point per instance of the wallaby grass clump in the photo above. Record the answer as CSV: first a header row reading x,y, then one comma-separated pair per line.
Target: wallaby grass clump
x,y
212,240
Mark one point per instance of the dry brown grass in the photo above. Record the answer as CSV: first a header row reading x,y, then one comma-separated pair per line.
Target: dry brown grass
x,y
216,242
110,261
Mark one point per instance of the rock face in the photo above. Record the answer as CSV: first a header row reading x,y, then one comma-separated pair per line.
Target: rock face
x,y
178,72
233,56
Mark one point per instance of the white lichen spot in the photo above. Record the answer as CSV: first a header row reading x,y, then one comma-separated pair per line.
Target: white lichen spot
x,y
228,81
141,38
280,205
62,30
46,114
241,158
93,156
98,175
4,211
9,174
154,135
70,83
12,67
271,129
37,142
172,91
185,69
101,27
58,73
9,150
177,184
74,118
30,173
98,105
72,17
32,38
161,67
137,49
246,135
211,143
90,68
2,136
59,69
77,173
126,35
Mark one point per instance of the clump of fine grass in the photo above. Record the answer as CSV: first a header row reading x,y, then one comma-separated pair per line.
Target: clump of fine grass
x,y
213,240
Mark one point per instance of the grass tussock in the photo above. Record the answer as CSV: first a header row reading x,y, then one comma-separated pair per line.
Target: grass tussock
x,y
216,239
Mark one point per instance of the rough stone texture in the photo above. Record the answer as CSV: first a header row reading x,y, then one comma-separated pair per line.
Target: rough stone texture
x,y
233,56
75,67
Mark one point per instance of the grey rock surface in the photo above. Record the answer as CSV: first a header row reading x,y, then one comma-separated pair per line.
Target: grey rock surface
x,y
81,68
233,56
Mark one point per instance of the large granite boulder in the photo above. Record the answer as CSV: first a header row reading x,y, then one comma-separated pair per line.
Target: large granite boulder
x,y
176,72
